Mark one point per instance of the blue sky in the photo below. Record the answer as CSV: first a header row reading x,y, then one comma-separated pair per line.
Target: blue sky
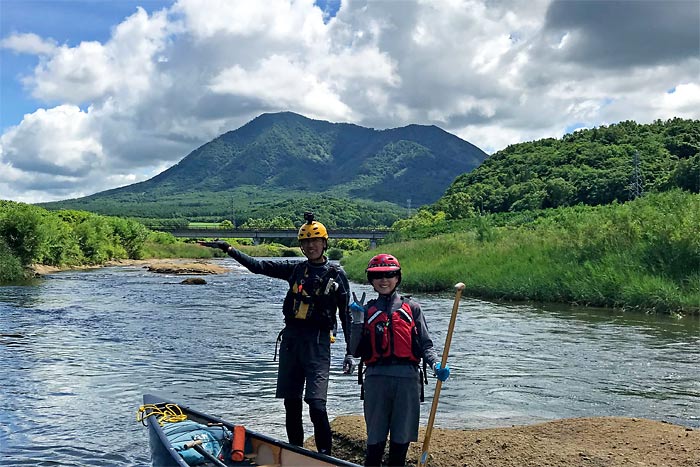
x,y
99,94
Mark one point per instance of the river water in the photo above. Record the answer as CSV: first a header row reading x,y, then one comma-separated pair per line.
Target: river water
x,y
79,348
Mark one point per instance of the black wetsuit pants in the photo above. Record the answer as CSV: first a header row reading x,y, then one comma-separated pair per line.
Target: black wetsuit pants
x,y
319,417
305,358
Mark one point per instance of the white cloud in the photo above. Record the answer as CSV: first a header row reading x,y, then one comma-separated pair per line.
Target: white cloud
x,y
494,73
683,101
122,68
60,141
274,20
73,75
29,44
279,82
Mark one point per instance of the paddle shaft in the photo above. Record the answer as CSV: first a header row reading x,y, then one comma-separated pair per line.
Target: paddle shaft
x,y
423,461
197,446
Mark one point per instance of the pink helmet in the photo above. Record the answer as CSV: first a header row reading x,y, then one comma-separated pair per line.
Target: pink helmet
x,y
382,263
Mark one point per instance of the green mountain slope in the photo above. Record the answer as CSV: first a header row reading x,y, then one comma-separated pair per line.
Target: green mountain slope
x,y
594,167
282,163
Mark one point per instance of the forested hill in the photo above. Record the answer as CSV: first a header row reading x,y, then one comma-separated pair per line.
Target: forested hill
x,y
594,166
278,159
289,151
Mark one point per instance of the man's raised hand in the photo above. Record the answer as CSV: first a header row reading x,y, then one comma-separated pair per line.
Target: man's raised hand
x,y
223,246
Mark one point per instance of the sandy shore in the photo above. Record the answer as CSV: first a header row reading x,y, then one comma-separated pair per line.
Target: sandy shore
x,y
164,266
590,442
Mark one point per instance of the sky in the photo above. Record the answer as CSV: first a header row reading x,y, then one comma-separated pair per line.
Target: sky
x,y
96,94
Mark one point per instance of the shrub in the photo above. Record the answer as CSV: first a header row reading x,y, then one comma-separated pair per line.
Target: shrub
x,y
335,254
10,265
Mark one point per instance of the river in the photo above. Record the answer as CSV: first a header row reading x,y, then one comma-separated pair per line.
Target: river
x,y
79,348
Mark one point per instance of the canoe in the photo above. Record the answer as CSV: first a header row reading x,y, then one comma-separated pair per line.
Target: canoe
x,y
181,436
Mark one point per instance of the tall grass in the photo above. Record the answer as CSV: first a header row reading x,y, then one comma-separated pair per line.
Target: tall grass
x,y
175,250
643,255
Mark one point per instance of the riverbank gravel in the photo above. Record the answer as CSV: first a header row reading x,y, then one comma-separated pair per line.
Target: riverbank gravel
x,y
589,442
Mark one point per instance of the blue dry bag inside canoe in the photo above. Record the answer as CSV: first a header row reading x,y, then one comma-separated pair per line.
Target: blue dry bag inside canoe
x,y
180,433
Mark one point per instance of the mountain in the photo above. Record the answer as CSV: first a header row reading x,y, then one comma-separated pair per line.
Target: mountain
x,y
283,159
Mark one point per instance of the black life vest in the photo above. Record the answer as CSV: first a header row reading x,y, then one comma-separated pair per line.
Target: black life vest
x,y
392,337
311,300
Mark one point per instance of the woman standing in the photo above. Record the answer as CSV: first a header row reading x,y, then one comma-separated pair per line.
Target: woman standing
x,y
391,336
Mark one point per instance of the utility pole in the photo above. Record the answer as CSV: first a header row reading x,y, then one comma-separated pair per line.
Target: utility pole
x,y
408,203
233,212
636,189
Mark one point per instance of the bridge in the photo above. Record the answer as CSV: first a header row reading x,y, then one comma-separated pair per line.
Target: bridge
x,y
373,235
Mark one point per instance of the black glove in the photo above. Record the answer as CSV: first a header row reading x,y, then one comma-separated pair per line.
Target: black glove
x,y
217,244
348,364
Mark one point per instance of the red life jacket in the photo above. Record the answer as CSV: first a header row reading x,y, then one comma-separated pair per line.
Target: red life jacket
x,y
391,335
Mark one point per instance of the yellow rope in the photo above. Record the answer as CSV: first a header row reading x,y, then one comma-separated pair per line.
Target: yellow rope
x,y
168,413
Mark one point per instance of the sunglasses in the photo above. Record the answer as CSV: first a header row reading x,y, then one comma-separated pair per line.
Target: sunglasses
x,y
382,275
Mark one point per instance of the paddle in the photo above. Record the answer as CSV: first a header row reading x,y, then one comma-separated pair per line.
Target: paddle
x,y
445,351
197,446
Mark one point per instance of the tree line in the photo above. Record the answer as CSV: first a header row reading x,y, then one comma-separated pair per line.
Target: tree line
x,y
33,235
593,167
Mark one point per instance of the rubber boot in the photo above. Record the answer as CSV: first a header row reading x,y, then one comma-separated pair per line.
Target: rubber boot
x,y
294,425
397,454
375,452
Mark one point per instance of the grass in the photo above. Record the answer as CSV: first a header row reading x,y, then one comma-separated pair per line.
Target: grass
x,y
643,256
